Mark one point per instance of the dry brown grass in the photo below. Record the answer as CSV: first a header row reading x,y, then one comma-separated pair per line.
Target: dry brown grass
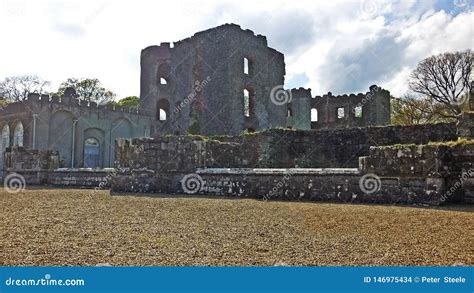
x,y
79,227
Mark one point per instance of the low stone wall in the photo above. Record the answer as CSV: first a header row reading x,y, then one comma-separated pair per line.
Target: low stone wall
x,y
406,174
453,163
89,178
41,167
82,178
24,159
334,185
276,148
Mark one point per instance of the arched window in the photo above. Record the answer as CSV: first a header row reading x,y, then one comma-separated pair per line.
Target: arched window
x,y
163,74
18,135
162,110
314,115
91,153
6,136
162,115
289,112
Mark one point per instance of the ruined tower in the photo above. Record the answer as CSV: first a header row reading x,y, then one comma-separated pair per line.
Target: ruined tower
x,y
216,82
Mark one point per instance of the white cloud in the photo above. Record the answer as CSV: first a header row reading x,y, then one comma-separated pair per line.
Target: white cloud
x,y
331,46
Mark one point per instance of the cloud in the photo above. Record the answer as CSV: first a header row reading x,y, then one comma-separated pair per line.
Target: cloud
x,y
371,63
329,46
275,26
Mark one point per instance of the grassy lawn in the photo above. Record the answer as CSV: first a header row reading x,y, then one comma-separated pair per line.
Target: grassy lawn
x,y
86,227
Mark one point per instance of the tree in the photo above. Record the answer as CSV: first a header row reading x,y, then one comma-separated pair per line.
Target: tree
x,y
410,110
131,101
88,89
17,88
444,78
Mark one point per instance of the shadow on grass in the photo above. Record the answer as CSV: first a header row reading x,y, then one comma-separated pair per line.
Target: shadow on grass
x,y
459,207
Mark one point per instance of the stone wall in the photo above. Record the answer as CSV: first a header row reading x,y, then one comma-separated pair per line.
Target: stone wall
x,y
410,174
65,123
420,171
74,178
336,185
450,165
84,178
19,158
41,167
275,148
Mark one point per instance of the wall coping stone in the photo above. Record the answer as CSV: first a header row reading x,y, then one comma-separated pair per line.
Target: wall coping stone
x,y
91,170
280,171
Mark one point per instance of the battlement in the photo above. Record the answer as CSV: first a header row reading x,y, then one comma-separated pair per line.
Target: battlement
x,y
35,100
301,92
374,89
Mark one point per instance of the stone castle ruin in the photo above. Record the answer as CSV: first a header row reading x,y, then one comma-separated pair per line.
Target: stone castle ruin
x,y
226,80
214,118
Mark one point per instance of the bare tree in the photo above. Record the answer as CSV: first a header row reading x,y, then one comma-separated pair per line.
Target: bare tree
x,y
17,88
444,78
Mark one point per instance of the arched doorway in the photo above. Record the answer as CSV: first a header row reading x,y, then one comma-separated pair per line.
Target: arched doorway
x,y
91,153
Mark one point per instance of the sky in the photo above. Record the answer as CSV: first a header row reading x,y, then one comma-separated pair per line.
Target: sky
x,y
337,46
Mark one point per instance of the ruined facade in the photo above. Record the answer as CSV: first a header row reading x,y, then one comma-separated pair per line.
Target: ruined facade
x,y
369,109
200,83
226,80
254,137
222,81
82,133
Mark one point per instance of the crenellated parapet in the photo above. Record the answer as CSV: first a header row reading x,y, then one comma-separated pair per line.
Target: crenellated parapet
x,y
353,110
35,102
69,125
